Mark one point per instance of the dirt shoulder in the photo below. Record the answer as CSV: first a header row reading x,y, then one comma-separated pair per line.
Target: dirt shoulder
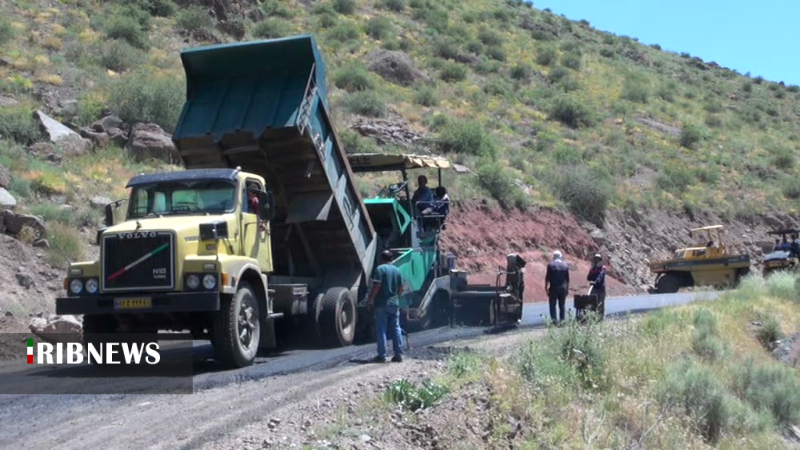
x,y
350,412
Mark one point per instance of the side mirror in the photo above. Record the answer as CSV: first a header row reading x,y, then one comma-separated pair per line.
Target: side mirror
x,y
266,206
112,211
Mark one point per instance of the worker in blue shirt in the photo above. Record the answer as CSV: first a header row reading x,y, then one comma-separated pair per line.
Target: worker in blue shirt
x,y
423,196
384,301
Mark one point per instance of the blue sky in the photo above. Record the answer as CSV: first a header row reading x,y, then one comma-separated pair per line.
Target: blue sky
x,y
762,38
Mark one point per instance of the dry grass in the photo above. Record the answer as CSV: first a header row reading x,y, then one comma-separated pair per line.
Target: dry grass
x,y
646,386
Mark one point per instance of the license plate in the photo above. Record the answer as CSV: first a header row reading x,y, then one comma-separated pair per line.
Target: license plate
x,y
133,303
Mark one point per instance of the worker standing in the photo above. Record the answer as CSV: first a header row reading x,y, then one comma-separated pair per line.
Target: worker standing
x,y
556,284
384,301
597,278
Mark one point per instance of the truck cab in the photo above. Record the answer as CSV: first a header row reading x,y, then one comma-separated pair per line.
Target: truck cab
x,y
187,243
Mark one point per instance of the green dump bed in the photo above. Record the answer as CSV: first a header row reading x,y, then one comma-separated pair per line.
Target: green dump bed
x,y
262,106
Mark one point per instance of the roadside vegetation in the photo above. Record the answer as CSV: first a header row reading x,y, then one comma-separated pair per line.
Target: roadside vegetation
x,y
519,95
685,377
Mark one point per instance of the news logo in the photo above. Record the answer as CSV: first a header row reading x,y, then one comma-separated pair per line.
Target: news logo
x,y
105,353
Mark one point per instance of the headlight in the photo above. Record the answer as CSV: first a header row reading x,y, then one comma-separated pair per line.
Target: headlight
x,y
91,286
76,286
192,281
210,281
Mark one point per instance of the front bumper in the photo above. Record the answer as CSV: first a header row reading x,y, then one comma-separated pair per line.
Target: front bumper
x,y
161,303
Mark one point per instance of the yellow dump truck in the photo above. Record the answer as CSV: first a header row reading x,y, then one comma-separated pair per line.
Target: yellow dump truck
x,y
707,263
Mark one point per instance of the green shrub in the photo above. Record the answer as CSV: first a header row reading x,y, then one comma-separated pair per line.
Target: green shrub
x,y
277,8
344,31
53,213
17,123
486,66
426,96
498,183
194,18
571,111
522,72
345,7
585,192
142,96
353,77
129,29
436,19
365,103
379,27
557,74
119,55
6,31
158,8
783,285
571,60
65,244
693,389
467,137
769,387
791,188
394,5
581,347
635,89
675,178
271,29
496,87
445,48
412,397
489,37
690,135
453,72
463,364
607,52
707,346
496,53
769,332
355,143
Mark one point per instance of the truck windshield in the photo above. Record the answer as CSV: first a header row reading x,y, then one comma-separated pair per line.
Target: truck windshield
x,y
183,197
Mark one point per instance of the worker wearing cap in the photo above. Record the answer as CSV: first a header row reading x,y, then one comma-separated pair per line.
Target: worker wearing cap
x,y
556,284
597,278
384,301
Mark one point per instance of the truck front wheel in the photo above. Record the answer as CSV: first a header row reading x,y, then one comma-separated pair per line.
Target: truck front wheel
x,y
336,318
237,329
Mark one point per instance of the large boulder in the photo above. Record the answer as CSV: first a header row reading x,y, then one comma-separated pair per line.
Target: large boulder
x,y
107,123
70,142
6,199
396,67
56,329
14,222
5,177
149,141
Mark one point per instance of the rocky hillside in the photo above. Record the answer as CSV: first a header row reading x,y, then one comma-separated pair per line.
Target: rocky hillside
x,y
539,111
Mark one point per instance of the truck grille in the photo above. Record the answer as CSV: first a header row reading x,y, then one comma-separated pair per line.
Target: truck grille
x,y
138,261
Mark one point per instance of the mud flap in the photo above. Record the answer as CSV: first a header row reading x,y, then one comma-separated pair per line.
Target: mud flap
x,y
267,338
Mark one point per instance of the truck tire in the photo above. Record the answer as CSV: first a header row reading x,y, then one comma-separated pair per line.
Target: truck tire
x,y
336,318
668,284
237,328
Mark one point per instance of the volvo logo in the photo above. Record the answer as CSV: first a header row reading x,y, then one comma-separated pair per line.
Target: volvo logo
x,y
137,235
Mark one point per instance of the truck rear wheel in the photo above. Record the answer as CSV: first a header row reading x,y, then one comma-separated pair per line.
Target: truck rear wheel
x,y
336,318
668,284
237,328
